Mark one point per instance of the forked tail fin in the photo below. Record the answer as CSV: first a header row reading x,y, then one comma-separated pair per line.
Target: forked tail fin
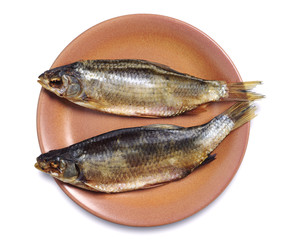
x,y
241,113
241,91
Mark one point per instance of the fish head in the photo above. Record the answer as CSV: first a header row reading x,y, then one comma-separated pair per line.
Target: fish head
x,y
62,81
55,164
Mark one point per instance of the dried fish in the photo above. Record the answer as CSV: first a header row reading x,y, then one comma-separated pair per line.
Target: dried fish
x,y
138,87
142,157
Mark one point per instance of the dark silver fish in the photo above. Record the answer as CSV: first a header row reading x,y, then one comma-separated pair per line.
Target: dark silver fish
x,y
138,88
141,157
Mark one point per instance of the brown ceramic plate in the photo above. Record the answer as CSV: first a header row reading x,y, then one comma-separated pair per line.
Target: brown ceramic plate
x,y
170,42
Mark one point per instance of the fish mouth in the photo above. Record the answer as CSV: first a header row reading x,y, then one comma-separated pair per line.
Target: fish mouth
x,y
53,172
36,165
45,170
44,83
54,85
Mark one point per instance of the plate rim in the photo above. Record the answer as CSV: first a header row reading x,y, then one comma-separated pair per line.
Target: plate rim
x,y
215,196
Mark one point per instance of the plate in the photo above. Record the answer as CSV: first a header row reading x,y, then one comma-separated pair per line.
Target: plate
x,y
183,48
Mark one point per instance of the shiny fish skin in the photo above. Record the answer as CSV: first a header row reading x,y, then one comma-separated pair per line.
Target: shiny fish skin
x,y
141,157
137,87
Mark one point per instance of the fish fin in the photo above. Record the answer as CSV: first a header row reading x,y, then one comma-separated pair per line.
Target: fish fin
x,y
164,67
163,126
85,97
88,184
92,186
153,185
209,159
240,113
241,91
83,183
198,109
145,116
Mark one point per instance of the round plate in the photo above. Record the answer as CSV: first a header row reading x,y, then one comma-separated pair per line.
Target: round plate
x,y
181,47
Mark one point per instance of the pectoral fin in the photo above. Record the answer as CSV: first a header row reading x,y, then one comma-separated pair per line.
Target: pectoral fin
x,y
92,186
209,158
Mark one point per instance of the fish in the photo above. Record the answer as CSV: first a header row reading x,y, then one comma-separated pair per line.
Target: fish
x,y
133,87
142,157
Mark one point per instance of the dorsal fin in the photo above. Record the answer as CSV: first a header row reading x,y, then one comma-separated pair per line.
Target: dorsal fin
x,y
165,67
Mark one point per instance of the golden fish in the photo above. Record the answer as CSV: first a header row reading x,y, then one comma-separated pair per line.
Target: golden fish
x,y
138,88
141,157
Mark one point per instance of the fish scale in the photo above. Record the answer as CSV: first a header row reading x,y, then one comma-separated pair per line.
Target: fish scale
x,y
141,157
138,88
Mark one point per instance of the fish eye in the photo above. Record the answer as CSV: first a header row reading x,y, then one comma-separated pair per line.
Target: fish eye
x,y
55,82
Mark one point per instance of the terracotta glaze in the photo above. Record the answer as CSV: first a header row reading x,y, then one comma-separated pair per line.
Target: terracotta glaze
x,y
180,46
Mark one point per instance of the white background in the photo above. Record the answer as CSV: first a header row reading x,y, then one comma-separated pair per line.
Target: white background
x,y
255,35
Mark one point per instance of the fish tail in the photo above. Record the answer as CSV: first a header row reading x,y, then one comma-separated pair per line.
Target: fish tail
x,y
241,91
241,113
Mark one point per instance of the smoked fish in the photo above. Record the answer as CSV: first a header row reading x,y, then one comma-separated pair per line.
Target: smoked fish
x,y
142,157
139,88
